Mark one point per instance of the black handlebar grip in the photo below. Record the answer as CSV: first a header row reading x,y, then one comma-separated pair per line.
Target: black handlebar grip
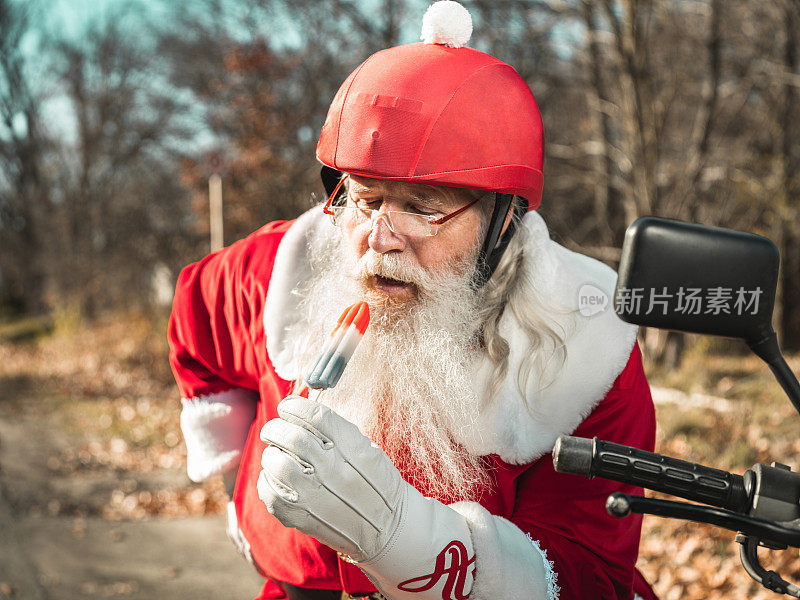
x,y
597,458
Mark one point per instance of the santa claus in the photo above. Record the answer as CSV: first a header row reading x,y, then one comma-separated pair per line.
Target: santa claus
x,y
425,473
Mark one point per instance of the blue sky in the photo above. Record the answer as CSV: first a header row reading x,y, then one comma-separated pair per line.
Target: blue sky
x,y
71,16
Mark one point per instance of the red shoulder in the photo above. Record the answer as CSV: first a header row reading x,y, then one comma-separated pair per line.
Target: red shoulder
x,y
626,414
257,250
279,227
215,326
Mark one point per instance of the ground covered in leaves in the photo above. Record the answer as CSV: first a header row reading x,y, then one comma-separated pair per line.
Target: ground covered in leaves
x,y
731,414
105,394
108,388
94,499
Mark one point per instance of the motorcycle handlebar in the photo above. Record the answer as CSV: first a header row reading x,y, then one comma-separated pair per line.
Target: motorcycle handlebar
x,y
598,458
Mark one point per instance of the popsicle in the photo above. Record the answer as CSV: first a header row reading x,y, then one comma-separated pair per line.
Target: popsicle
x,y
339,347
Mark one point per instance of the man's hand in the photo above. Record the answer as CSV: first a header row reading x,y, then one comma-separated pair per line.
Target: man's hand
x,y
236,536
323,477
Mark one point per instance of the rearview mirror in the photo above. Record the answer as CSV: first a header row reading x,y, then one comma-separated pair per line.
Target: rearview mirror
x,y
697,279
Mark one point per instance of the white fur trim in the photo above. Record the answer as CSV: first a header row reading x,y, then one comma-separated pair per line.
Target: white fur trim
x,y
215,429
508,563
522,428
290,270
448,23
518,426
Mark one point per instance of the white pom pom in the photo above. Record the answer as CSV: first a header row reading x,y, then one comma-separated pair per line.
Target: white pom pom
x,y
448,23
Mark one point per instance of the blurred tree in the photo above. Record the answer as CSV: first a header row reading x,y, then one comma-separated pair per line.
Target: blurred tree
x,y
24,187
258,133
681,109
787,111
271,70
651,107
123,208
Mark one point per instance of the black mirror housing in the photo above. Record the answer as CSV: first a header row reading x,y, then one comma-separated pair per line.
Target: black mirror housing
x,y
698,279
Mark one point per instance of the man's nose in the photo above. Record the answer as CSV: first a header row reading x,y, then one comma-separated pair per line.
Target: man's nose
x,y
382,239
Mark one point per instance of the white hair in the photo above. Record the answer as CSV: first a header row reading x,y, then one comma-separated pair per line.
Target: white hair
x,y
509,289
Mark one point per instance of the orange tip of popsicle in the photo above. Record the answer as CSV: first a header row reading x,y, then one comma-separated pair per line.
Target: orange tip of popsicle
x,y
361,319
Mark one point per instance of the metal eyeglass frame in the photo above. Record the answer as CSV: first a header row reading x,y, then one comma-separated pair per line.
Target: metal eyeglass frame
x,y
441,220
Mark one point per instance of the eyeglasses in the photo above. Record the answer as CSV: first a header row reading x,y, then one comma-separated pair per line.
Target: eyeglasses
x,y
400,223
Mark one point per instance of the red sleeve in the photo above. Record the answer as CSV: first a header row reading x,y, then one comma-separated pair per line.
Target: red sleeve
x,y
211,346
593,554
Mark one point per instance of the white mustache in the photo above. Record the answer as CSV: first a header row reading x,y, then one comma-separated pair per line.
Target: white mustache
x,y
390,266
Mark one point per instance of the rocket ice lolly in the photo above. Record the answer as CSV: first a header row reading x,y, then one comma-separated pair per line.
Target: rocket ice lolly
x,y
328,368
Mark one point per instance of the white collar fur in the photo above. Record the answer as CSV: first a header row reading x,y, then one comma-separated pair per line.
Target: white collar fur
x,y
519,428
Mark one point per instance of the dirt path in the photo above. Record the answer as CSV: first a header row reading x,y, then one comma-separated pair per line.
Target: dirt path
x,y
58,542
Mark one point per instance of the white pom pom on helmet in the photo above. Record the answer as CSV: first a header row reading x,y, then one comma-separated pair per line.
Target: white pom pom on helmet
x,y
446,23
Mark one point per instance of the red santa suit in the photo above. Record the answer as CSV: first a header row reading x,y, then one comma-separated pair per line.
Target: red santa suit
x,y
233,366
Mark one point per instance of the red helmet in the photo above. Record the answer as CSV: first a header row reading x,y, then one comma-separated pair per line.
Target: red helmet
x,y
432,114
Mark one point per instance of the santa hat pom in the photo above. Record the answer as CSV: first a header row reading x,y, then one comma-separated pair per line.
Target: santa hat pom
x,y
448,23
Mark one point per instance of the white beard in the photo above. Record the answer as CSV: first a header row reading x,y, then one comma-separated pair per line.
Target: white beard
x,y
408,385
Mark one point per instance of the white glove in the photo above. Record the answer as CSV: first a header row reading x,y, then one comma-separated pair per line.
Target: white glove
x,y
236,536
323,477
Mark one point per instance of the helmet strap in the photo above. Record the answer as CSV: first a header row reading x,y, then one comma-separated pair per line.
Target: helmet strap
x,y
494,245
330,178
